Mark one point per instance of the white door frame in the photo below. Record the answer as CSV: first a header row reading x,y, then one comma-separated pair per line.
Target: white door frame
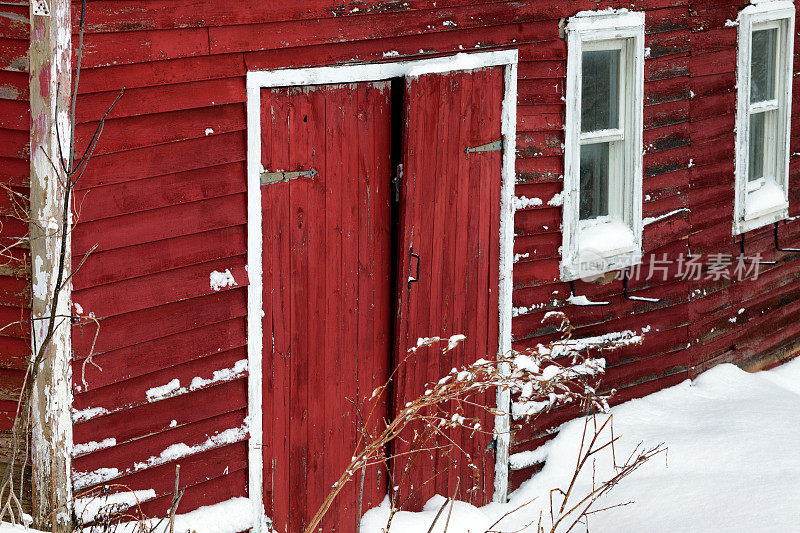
x,y
256,80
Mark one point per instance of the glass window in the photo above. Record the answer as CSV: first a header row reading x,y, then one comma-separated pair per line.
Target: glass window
x,y
600,90
594,181
762,69
602,128
756,155
763,115
603,133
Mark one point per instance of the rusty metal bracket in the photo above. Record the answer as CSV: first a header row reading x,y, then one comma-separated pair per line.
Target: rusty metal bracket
x,y
270,178
494,146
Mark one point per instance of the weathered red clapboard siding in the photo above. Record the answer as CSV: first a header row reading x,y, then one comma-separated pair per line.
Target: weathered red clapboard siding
x,y
662,358
164,201
731,322
694,170
14,262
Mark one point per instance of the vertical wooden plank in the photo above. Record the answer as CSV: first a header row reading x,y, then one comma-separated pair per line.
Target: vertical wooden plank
x,y
276,219
423,290
381,227
403,379
315,155
460,259
365,264
333,277
472,222
433,175
268,245
298,382
484,158
446,187
350,302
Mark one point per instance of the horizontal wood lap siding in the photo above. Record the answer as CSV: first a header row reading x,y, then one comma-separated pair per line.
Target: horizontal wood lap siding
x,y
160,357
662,359
734,322
688,205
164,201
15,284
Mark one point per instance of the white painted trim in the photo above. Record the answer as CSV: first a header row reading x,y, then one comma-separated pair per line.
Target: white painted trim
x,y
587,30
502,422
256,80
763,13
254,311
378,71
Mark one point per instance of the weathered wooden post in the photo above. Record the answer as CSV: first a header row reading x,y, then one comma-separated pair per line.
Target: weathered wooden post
x,y
51,425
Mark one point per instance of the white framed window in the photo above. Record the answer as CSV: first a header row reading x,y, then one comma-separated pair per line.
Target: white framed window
x,y
763,113
602,228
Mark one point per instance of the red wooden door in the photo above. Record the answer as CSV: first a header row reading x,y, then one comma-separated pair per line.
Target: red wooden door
x,y
327,315
450,207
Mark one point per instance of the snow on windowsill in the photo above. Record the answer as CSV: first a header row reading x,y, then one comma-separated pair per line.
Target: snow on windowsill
x,y
605,236
767,199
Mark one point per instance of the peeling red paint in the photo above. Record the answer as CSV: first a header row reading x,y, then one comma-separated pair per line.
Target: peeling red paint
x,y
44,81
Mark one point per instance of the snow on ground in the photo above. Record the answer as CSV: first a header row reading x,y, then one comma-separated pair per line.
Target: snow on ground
x,y
732,464
5,527
230,516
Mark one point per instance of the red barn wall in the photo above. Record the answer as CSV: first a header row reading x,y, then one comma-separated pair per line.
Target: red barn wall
x,y
164,200
690,107
15,293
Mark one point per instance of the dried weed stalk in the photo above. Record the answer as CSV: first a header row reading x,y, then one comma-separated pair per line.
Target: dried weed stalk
x,y
540,379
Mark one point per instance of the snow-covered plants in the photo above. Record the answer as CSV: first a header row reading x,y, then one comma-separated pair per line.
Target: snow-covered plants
x,y
539,379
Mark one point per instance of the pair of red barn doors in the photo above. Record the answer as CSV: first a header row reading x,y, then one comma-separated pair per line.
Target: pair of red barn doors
x,y
356,270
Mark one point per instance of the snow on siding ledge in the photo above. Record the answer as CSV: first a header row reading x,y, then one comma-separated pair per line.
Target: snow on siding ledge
x,y
173,388
521,460
649,220
168,390
226,374
230,516
163,391
83,480
92,446
220,280
181,450
90,508
88,413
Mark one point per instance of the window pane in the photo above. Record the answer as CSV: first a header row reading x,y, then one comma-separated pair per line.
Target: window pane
x,y
762,68
600,90
594,181
755,167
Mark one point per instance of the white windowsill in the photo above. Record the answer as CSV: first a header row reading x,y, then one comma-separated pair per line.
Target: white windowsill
x,y
765,205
